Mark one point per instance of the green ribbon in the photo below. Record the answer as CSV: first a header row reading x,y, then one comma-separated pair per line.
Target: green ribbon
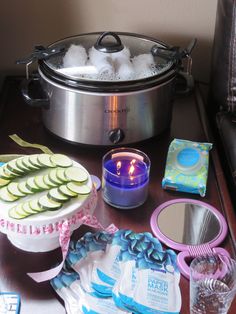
x,y
23,143
7,157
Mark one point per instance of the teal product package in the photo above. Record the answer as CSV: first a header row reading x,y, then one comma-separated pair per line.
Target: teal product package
x,y
187,167
121,273
77,301
9,302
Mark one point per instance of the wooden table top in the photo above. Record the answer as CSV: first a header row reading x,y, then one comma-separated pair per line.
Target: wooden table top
x,y
188,123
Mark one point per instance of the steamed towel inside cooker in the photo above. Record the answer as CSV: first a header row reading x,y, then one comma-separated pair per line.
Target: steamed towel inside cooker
x,y
74,61
102,62
123,66
75,56
144,65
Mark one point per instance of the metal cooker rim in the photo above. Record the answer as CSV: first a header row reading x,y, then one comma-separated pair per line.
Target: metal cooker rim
x,y
110,86
107,87
101,93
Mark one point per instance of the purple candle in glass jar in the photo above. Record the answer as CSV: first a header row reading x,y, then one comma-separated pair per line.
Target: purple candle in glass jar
x,y
125,177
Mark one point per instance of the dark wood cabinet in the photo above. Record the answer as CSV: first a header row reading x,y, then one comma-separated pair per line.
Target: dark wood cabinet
x,y
188,122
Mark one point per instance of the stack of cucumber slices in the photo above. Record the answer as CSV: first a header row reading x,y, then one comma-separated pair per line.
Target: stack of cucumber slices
x,y
22,180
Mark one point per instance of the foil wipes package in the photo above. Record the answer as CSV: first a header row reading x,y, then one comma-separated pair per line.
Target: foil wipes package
x,y
124,272
187,167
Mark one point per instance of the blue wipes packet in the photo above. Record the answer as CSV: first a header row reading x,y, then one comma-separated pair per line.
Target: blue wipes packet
x,y
9,303
187,167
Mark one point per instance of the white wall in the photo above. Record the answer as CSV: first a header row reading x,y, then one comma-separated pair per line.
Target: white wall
x,y
26,23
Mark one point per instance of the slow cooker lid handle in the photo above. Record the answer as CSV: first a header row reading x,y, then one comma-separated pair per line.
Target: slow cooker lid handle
x,y
40,52
173,53
108,46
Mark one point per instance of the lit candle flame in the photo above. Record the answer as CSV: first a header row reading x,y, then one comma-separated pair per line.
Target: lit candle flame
x,y
133,161
118,166
132,168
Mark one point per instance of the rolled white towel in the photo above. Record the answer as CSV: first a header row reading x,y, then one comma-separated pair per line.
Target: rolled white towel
x,y
124,53
102,62
79,71
125,71
143,65
75,56
123,66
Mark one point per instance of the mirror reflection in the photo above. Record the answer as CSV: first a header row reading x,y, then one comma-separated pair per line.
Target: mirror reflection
x,y
188,223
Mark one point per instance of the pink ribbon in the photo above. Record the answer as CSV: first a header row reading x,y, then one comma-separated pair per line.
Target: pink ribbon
x,y
64,240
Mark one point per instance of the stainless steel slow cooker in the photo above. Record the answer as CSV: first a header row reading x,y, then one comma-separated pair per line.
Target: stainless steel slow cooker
x,y
105,88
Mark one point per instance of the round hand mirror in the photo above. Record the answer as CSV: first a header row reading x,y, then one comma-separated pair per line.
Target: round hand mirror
x,y
190,226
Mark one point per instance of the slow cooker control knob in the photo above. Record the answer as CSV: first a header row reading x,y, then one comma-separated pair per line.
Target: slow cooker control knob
x,y
116,135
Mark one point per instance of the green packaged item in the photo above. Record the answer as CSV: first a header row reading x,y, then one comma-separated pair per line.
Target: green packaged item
x,y
187,166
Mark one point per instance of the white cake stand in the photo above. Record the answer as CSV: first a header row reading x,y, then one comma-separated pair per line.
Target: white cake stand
x,y
40,232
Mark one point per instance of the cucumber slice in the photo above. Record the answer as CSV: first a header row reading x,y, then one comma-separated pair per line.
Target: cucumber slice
x,y
16,212
13,188
4,182
61,160
48,181
66,191
60,173
38,180
53,177
8,173
55,195
76,174
23,188
33,159
46,203
6,196
79,189
20,210
3,175
27,164
27,209
45,161
21,166
30,184
12,166
34,205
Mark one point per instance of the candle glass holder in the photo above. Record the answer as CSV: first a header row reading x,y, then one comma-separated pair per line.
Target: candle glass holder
x,y
125,177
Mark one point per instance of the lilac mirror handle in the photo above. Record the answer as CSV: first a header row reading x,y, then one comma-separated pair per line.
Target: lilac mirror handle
x,y
188,252
182,256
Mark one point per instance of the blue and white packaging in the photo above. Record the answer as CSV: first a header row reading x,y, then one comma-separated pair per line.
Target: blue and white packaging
x,y
186,167
70,300
106,270
77,301
125,272
85,253
149,281
124,289
157,285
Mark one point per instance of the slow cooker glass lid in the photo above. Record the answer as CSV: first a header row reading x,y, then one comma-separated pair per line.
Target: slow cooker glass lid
x,y
131,60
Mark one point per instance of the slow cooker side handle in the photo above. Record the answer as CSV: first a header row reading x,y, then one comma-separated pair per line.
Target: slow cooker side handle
x,y
27,91
184,82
